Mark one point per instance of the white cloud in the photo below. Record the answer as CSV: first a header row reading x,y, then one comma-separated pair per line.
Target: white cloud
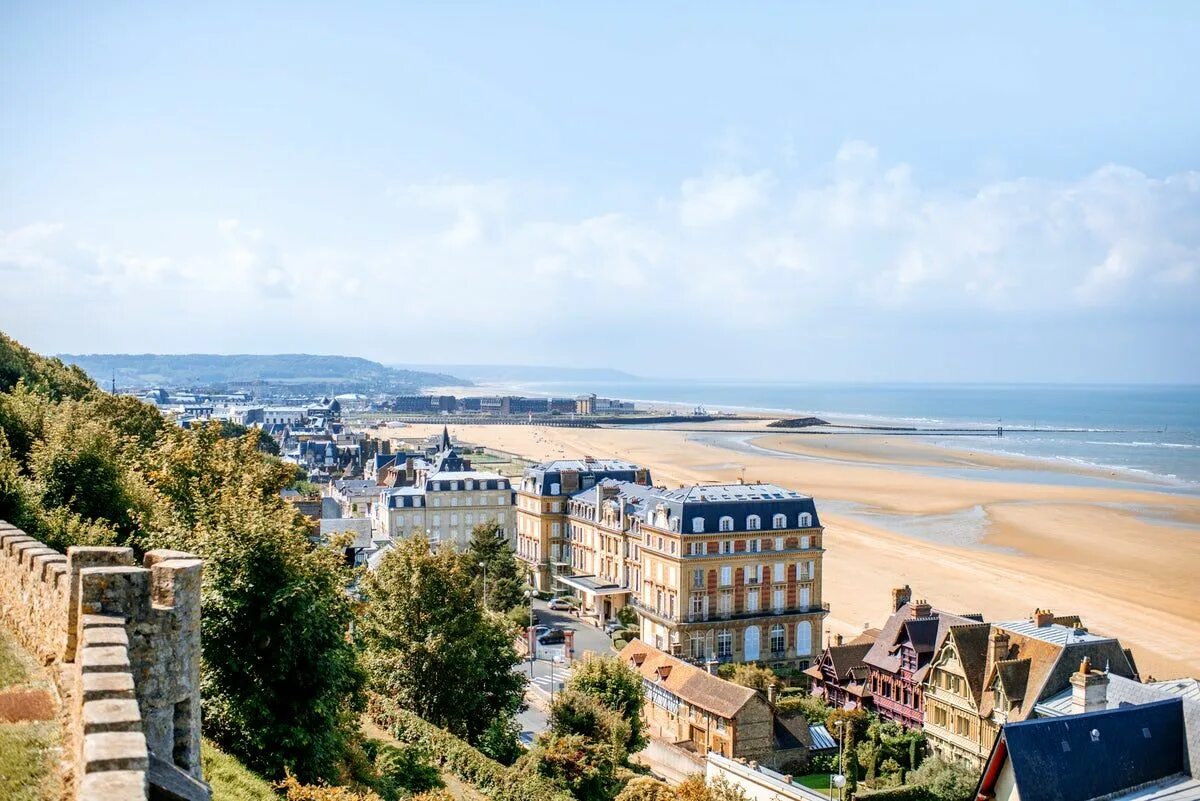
x,y
733,256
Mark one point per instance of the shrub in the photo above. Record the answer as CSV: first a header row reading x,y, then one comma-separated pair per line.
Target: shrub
x,y
813,708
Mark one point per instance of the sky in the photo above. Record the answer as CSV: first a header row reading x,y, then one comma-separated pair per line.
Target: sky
x,y
952,192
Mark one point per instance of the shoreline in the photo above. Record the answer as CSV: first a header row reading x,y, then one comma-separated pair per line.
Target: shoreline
x,y
1123,558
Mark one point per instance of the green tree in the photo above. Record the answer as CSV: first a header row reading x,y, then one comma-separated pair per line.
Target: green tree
x,y
501,740
280,682
618,687
427,642
946,781
584,767
646,788
575,712
497,574
756,677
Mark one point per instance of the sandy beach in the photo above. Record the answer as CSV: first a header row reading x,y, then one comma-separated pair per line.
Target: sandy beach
x,y
953,524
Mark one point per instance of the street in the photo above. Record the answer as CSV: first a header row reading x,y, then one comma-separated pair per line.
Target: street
x,y
548,671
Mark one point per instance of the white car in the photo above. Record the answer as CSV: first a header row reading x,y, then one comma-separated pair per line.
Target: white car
x,y
561,604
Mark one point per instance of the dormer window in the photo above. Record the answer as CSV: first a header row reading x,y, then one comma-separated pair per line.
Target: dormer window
x,y
697,525
779,521
805,520
726,524
753,523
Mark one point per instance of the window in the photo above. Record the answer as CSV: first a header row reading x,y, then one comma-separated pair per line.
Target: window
x,y
454,501
805,598
779,521
754,574
696,548
779,543
805,520
724,643
803,638
726,524
754,545
698,605
778,639
697,525
697,641
753,523
750,644
725,604
779,572
726,546
752,600
804,543
777,598
554,488
726,576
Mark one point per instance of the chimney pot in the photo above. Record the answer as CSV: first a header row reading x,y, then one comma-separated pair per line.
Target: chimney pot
x,y
1043,618
901,596
772,693
921,609
838,639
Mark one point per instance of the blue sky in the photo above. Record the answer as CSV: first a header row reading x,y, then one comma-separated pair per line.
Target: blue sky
x,y
789,191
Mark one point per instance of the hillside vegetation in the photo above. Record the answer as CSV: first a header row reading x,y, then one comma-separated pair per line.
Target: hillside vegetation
x,y
345,373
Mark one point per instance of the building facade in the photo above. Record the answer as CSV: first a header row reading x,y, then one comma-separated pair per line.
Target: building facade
x,y
899,660
540,537
988,675
445,502
839,676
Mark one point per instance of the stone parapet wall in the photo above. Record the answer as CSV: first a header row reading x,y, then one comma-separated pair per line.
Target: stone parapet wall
x,y
126,638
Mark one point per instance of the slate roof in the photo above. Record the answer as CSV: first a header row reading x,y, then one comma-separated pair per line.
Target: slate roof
x,y
541,478
931,630
690,683
1094,755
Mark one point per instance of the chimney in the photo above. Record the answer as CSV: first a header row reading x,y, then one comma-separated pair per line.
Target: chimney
x,y
837,639
711,666
921,609
997,647
1089,689
1042,618
772,693
901,596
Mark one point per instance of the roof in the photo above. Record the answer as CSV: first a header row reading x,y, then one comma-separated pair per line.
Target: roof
x,y
847,657
822,740
1082,757
546,479
930,633
1055,633
689,683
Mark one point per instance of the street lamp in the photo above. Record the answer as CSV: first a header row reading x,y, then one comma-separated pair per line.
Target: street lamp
x,y
530,642
485,604
838,780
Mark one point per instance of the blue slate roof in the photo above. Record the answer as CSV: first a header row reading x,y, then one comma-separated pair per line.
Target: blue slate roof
x,y
1081,757
543,479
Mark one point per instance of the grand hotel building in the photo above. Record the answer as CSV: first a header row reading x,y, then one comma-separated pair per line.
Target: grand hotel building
x,y
730,572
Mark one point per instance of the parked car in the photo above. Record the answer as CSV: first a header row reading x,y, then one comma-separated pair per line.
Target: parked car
x,y
612,627
552,637
538,631
563,604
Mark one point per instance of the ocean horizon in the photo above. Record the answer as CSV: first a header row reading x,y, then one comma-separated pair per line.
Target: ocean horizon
x,y
1149,431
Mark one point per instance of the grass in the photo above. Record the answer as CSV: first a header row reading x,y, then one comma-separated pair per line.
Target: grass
x,y
230,779
29,761
12,666
814,781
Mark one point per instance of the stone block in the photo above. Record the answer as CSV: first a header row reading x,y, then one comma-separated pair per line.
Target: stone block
x,y
81,556
103,686
43,564
105,635
118,750
152,558
112,714
102,620
105,659
113,785
27,551
11,541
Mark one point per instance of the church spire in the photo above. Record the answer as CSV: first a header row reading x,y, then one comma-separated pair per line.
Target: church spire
x,y
445,438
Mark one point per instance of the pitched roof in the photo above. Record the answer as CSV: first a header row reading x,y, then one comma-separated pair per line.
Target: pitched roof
x,y
883,656
970,643
1081,757
690,683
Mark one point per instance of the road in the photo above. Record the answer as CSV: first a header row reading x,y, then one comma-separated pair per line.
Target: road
x,y
548,671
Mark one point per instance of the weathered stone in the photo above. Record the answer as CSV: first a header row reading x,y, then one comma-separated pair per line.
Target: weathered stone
x,y
105,659
113,785
105,635
101,686
111,715
119,750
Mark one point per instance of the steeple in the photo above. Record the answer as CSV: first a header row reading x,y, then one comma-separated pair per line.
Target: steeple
x,y
445,438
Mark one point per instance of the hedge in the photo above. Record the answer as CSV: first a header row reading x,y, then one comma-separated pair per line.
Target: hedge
x,y
494,780
907,792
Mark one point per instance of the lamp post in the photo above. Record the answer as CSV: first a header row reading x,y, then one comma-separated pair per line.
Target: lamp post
x,y
838,780
485,604
530,642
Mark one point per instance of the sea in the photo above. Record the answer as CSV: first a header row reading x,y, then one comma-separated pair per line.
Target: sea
x,y
1146,432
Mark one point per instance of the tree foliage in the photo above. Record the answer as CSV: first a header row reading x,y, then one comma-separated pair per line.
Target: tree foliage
x,y
754,676
583,766
946,781
618,687
427,642
498,577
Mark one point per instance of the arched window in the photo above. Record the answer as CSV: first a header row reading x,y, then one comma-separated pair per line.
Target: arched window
x,y
779,521
697,525
753,523
805,520
726,524
803,638
778,638
751,648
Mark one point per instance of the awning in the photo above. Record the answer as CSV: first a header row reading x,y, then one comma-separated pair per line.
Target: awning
x,y
590,586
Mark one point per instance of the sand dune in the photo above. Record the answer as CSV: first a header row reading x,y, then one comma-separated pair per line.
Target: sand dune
x,y
1126,560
